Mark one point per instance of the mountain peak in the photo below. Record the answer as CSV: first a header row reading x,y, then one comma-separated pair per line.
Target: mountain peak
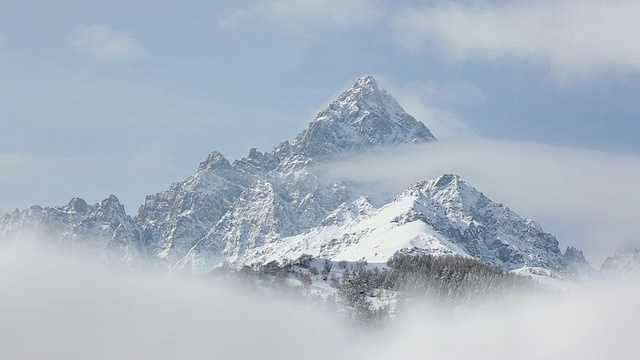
x,y
78,205
361,118
366,80
443,183
366,83
215,160
111,202
446,180
365,94
574,253
576,266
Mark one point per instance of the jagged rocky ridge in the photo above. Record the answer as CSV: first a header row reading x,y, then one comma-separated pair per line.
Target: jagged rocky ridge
x,y
103,229
271,205
442,216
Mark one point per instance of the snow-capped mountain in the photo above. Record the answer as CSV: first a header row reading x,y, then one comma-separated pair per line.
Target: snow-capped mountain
x,y
363,117
442,216
273,183
270,206
174,220
103,229
626,261
576,266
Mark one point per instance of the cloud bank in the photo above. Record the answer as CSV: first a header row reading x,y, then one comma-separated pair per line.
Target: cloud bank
x,y
590,323
574,37
58,306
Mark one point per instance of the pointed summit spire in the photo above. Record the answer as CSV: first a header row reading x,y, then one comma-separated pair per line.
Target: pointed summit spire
x,y
366,82
215,160
364,91
363,117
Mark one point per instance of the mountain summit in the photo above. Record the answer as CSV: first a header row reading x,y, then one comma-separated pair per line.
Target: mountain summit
x,y
363,117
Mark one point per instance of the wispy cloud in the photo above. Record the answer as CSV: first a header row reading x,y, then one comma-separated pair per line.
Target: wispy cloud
x,y
575,38
106,45
306,16
428,103
445,125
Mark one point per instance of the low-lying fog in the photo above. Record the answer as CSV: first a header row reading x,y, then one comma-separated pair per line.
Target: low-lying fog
x,y
64,306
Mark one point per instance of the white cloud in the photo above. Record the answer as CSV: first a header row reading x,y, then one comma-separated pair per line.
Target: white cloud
x,y
590,323
59,306
306,16
586,198
106,45
574,37
442,123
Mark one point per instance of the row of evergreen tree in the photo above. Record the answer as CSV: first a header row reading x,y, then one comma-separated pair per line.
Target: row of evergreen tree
x,y
451,280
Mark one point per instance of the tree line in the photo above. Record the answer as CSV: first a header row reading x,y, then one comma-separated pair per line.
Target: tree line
x,y
451,280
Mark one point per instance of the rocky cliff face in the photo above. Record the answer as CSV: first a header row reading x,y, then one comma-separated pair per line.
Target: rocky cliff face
x,y
272,206
174,220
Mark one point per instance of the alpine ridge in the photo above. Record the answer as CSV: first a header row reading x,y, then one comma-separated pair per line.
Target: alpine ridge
x,y
272,206
625,262
442,216
102,229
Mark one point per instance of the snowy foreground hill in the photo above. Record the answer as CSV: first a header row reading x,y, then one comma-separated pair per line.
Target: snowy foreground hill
x,y
272,206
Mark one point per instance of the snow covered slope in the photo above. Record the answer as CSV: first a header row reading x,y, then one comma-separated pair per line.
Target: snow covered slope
x,y
442,216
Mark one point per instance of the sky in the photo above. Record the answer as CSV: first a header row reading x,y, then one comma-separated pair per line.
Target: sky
x,y
126,97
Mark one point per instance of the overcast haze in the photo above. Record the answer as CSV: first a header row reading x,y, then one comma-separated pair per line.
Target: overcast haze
x,y
126,97
57,306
